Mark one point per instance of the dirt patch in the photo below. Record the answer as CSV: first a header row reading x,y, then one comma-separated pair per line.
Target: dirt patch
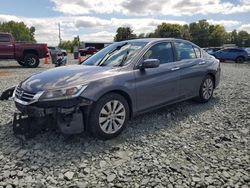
x,y
5,73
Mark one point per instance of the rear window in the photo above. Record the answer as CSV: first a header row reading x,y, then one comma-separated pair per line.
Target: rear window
x,y
4,38
184,51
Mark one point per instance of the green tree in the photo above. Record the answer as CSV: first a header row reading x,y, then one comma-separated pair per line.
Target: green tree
x,y
19,30
69,45
233,37
185,32
243,39
217,35
168,30
199,33
124,33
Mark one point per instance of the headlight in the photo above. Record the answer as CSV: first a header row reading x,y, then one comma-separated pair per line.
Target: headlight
x,y
61,94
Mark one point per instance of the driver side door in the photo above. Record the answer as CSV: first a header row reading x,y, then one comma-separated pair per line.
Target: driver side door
x,y
157,86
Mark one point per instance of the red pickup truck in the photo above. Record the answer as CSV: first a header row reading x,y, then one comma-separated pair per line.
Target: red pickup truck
x,y
26,54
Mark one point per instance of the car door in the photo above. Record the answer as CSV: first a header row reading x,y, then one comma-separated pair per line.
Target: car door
x,y
192,68
6,47
156,86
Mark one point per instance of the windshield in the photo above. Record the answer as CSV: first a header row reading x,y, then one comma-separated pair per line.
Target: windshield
x,y
117,54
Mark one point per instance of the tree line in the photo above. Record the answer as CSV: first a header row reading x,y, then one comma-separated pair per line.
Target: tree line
x,y
19,30
201,33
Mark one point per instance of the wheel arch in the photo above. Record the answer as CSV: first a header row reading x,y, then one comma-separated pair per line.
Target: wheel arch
x,y
30,51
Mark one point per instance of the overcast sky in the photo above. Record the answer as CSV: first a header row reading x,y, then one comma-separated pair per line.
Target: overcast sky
x,y
97,20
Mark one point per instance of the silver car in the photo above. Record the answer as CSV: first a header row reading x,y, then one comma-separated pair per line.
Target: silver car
x,y
121,81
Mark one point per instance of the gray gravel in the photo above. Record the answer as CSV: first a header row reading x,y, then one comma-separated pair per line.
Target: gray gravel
x,y
183,145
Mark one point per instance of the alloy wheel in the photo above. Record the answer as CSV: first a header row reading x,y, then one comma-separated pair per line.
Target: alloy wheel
x,y
112,117
207,89
31,61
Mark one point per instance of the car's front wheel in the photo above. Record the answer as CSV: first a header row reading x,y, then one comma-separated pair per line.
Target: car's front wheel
x,y
108,116
206,89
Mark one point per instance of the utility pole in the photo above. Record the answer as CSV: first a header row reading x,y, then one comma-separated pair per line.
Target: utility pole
x,y
60,39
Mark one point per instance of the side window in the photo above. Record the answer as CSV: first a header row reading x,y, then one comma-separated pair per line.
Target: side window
x,y
162,51
184,51
197,52
4,38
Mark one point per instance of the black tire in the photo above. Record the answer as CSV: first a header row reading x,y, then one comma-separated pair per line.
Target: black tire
x,y
95,127
21,63
203,98
31,60
240,59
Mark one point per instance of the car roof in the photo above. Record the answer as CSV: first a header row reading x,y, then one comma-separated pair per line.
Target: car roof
x,y
153,40
147,40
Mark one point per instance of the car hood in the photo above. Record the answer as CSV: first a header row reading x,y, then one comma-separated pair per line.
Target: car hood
x,y
64,77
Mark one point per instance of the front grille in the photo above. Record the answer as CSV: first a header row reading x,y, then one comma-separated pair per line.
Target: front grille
x,y
24,95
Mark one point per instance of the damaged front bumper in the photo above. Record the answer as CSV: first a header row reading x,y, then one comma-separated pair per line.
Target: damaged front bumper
x,y
69,116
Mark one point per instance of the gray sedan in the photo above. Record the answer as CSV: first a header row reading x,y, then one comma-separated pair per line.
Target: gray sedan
x,y
123,80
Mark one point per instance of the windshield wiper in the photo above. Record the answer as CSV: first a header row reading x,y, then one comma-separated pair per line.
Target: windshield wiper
x,y
110,53
123,59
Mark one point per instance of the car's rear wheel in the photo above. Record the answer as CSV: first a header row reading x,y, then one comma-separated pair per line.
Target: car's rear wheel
x,y
206,89
108,116
239,60
31,60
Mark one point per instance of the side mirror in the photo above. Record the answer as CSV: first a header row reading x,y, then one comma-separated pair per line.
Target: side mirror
x,y
150,63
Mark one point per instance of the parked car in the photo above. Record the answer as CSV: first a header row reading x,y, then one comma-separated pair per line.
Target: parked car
x,y
87,51
212,50
56,50
235,54
248,52
119,82
26,54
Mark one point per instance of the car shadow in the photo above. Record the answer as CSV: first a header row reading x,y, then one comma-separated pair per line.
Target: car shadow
x,y
61,149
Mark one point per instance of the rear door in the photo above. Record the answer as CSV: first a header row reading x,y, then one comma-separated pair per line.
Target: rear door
x,y
192,68
6,47
156,86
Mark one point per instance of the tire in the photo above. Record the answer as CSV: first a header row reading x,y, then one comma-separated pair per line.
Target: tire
x,y
31,60
21,63
239,59
103,123
206,89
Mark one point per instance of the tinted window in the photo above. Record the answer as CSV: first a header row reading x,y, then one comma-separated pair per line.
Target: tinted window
x,y
197,52
162,51
184,51
4,38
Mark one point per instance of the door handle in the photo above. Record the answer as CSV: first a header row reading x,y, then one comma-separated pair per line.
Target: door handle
x,y
175,68
202,63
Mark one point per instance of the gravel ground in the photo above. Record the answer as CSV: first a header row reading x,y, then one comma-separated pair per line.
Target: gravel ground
x,y
183,145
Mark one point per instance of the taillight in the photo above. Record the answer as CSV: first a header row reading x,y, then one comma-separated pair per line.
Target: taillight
x,y
46,48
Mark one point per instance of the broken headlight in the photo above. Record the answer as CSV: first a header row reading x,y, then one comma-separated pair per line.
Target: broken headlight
x,y
60,94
